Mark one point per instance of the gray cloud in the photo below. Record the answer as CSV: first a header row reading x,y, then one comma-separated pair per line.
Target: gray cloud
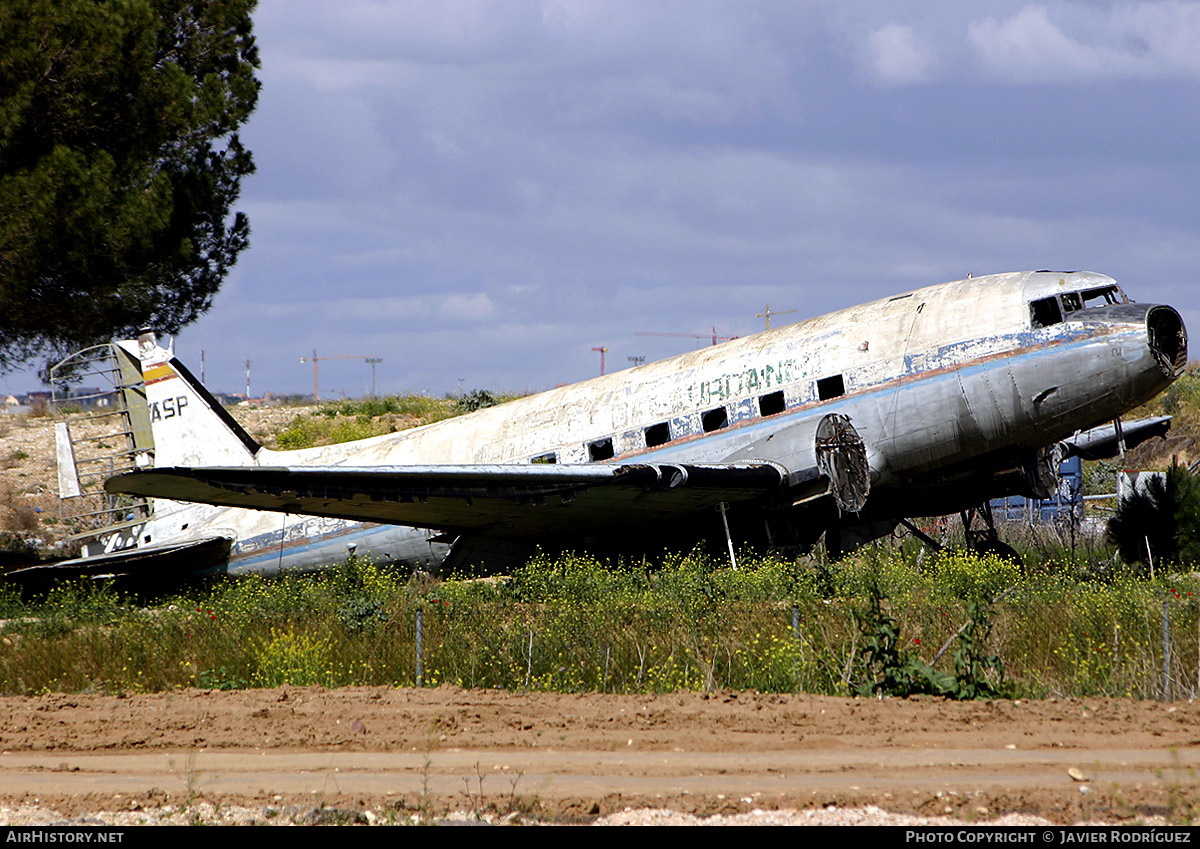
x,y
487,190
1142,40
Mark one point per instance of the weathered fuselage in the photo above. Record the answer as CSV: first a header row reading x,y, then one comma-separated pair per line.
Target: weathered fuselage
x,y
955,391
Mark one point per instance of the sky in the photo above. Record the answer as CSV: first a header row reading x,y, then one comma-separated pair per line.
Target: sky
x,y
480,193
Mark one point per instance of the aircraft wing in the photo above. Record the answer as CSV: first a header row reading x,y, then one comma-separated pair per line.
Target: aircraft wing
x,y
1102,443
515,501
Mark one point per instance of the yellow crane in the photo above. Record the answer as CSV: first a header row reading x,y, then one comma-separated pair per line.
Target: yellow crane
x,y
316,361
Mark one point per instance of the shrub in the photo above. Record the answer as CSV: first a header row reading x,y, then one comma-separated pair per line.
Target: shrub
x,y
1164,518
291,658
474,400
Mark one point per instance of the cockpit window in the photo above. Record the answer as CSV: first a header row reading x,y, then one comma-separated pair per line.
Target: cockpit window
x,y
1102,297
1089,298
1045,312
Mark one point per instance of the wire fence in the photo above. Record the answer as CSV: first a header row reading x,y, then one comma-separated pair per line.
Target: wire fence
x,y
780,629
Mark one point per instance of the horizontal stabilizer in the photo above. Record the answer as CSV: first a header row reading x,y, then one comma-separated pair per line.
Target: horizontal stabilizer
x,y
515,501
152,562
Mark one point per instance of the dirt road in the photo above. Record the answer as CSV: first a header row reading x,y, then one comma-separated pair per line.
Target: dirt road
x,y
578,756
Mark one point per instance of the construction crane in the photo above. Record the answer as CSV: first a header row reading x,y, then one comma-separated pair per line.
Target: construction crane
x,y
602,351
768,312
316,361
715,338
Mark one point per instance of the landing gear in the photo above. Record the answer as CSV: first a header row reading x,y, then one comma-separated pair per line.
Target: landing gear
x,y
985,540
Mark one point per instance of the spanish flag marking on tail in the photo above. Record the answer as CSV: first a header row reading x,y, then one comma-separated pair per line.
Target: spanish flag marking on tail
x,y
158,373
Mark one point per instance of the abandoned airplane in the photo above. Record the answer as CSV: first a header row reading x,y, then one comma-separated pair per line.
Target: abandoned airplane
x,y
926,403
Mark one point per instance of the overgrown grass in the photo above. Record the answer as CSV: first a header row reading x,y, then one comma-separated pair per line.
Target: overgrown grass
x,y
569,623
418,406
1181,400
349,420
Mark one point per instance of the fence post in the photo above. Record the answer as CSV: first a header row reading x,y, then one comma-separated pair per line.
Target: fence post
x,y
799,646
1166,638
420,645
529,661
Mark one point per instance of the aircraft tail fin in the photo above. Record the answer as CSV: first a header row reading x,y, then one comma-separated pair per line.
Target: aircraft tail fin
x,y
189,425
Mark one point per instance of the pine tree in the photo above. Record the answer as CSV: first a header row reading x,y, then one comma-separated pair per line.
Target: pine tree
x,y
1163,517
119,165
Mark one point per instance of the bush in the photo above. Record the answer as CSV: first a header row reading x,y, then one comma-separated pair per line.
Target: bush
x,y
474,400
1161,521
290,658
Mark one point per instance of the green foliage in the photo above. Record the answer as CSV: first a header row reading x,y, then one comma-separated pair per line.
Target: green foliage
x,y
301,433
291,658
309,431
1182,400
11,604
895,670
1100,477
974,667
971,577
119,165
1165,516
418,406
221,678
891,670
476,399
574,623
350,420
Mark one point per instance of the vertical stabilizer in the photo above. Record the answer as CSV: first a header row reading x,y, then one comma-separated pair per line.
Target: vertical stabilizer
x,y
190,426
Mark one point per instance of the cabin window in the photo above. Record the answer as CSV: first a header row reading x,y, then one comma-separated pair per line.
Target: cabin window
x,y
658,434
601,449
830,387
714,419
545,458
771,403
1071,302
1044,312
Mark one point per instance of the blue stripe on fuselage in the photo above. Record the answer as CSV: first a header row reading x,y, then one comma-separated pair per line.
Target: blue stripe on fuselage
x,y
265,549
1038,347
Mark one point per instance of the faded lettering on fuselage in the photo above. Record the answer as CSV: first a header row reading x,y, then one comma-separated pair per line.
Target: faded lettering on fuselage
x,y
745,382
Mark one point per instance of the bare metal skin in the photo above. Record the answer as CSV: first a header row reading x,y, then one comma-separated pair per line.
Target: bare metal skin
x,y
924,403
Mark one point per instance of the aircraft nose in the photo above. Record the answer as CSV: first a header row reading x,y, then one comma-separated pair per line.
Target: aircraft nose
x,y
1167,338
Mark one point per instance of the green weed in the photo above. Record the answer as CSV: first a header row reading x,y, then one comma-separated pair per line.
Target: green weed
x,y
871,623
